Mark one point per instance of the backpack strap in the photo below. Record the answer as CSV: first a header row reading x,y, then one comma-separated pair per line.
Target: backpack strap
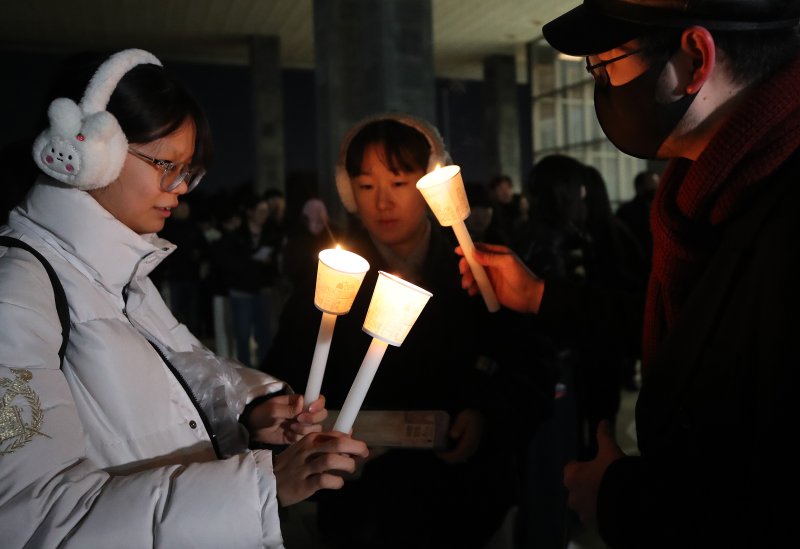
x,y
61,298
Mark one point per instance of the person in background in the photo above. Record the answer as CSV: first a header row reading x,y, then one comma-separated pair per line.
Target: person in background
x,y
277,208
554,242
635,213
506,205
614,261
632,223
483,370
313,233
275,226
182,268
715,88
229,220
501,188
121,428
275,235
251,266
481,212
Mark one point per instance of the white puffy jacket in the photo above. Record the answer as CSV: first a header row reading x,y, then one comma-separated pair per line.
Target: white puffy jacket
x,y
110,451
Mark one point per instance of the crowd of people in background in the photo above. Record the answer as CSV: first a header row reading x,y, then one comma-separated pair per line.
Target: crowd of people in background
x,y
240,255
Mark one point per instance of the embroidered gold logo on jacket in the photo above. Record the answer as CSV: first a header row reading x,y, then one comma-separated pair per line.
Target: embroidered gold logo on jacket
x,y
20,412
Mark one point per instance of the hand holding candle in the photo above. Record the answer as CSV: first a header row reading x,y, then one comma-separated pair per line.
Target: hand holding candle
x,y
339,276
395,306
443,189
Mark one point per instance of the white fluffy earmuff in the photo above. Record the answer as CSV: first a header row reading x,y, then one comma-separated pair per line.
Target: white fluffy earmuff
x,y
84,145
439,155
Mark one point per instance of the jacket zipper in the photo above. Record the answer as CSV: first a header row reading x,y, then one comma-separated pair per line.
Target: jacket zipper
x,y
179,377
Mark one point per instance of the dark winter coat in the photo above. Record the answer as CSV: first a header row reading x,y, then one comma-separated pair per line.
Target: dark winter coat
x,y
717,413
457,356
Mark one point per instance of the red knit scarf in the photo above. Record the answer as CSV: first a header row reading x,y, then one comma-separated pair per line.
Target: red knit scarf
x,y
695,198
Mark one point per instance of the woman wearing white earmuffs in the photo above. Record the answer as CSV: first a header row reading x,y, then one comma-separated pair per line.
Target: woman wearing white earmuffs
x,y
133,433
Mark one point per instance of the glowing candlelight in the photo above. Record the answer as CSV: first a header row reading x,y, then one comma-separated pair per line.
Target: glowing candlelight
x,y
339,276
443,189
393,310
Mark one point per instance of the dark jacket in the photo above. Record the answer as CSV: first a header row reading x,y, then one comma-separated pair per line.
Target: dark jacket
x,y
717,412
232,257
192,249
636,215
439,367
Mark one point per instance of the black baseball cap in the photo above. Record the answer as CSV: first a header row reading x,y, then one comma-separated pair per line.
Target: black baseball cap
x,y
600,25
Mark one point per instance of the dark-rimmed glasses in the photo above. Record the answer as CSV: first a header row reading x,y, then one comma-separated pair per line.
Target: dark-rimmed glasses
x,y
598,70
172,174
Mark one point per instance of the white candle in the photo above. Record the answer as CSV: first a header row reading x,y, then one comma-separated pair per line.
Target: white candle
x,y
393,310
360,386
443,189
339,276
481,278
395,306
321,350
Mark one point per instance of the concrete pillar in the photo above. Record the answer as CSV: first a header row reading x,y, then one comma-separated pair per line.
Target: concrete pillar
x,y
501,112
267,122
371,56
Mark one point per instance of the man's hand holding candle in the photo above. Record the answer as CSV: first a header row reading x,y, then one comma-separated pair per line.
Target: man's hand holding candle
x,y
443,190
514,284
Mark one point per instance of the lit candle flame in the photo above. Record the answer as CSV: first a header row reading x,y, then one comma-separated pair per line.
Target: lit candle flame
x,y
338,247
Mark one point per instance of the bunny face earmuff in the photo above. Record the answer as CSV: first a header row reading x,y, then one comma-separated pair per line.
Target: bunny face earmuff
x,y
84,145
439,155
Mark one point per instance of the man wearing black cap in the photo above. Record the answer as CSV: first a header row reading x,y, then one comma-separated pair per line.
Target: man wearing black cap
x,y
714,86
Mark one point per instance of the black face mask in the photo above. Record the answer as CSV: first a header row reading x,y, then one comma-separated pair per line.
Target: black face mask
x,y
631,117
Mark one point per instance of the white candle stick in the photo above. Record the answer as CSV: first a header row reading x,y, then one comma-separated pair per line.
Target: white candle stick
x,y
485,287
393,310
358,391
443,189
317,371
339,276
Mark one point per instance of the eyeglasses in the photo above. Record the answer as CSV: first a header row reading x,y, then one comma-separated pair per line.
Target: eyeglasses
x,y
598,70
172,174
